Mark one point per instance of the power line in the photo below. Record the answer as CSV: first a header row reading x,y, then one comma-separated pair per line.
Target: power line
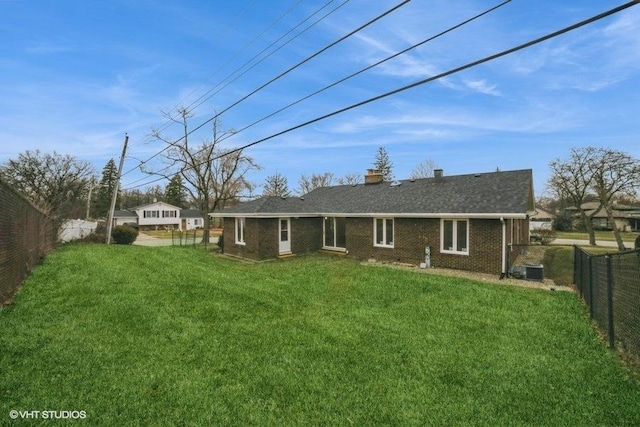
x,y
191,106
207,95
441,75
431,79
414,46
369,67
282,74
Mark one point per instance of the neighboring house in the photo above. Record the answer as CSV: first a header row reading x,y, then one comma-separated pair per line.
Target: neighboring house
x,y
191,219
467,222
160,215
124,217
627,218
541,220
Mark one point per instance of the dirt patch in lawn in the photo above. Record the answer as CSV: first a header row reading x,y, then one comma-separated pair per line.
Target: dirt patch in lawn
x,y
546,284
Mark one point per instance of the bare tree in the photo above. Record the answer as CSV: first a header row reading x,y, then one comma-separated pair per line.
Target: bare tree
x,y
614,174
571,179
58,184
607,174
307,184
212,176
424,169
352,178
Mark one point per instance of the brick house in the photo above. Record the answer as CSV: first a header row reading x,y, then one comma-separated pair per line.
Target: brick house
x,y
469,222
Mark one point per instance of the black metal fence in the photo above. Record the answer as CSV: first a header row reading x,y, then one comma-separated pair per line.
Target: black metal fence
x,y
26,236
183,238
610,286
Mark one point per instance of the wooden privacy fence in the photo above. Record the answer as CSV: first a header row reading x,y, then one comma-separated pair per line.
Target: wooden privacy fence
x,y
26,236
610,287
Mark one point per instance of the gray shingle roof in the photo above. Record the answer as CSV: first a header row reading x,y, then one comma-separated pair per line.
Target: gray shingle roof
x,y
508,192
190,213
124,214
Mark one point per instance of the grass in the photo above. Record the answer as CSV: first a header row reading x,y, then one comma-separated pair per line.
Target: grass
x,y
174,336
601,236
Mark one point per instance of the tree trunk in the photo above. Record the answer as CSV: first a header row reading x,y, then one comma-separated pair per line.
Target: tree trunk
x,y
614,227
589,227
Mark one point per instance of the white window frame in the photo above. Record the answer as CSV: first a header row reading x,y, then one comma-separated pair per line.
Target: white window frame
x,y
455,250
335,235
240,231
384,232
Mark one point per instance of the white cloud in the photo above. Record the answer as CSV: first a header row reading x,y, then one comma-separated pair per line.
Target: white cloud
x,y
483,87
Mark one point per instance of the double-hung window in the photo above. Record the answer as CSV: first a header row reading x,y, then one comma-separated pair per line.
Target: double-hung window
x,y
240,224
454,236
383,232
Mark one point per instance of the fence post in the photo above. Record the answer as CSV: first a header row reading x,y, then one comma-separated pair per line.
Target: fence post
x,y
590,261
612,341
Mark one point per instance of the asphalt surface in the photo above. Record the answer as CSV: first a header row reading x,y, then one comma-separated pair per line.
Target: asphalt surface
x,y
146,240
603,243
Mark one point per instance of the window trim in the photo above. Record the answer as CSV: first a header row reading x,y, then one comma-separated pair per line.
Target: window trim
x,y
454,236
384,232
240,237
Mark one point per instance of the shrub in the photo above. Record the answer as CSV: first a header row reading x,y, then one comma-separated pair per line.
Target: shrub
x,y
221,243
124,235
544,236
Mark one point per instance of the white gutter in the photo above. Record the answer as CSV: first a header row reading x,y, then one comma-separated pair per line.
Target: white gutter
x,y
504,247
496,215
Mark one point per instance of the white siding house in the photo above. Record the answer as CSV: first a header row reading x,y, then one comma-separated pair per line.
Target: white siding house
x,y
160,216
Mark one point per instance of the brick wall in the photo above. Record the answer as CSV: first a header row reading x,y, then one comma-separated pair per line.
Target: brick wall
x,y
413,234
262,239
411,237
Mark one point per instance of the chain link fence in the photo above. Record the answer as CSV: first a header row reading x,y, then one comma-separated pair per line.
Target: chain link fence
x,y
183,238
610,286
26,236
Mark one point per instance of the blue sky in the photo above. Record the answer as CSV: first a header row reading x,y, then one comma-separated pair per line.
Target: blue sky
x,y
75,76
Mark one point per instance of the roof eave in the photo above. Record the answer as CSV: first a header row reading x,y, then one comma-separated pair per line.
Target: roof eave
x,y
471,215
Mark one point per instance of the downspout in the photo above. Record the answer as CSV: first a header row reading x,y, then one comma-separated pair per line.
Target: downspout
x,y
503,273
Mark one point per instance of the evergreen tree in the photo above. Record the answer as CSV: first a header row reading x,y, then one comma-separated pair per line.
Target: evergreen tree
x,y
105,190
383,164
174,193
276,185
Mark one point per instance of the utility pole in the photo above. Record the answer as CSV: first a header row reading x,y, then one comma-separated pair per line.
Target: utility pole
x,y
115,190
93,184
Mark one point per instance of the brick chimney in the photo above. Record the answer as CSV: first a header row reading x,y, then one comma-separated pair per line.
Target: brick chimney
x,y
437,173
373,176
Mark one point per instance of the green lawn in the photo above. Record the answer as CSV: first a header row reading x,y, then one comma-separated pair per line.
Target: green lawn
x,y
174,336
601,236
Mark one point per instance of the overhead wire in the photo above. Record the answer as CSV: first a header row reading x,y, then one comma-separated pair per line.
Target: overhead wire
x,y
193,106
208,95
167,123
430,79
282,74
369,67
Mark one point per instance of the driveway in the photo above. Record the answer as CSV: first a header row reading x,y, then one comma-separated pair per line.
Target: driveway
x,y
146,240
603,243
